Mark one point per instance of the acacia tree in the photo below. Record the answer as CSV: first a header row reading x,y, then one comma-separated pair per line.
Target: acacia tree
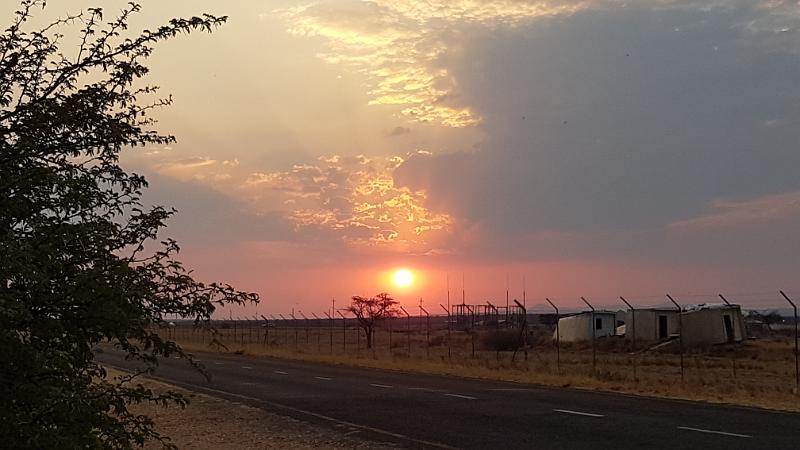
x,y
371,311
80,259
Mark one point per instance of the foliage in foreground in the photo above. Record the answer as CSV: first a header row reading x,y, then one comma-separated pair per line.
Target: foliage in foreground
x,y
79,259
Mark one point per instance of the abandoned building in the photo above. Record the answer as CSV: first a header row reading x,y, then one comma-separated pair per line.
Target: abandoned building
x,y
700,324
653,324
583,326
712,324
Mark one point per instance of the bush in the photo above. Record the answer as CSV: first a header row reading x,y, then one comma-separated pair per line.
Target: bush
x,y
501,340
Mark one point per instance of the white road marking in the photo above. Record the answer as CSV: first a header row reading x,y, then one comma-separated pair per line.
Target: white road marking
x,y
247,383
383,386
247,367
337,422
511,390
578,413
462,396
324,378
280,372
724,433
219,363
425,389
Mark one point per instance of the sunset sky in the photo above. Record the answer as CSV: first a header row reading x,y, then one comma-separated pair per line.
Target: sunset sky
x,y
594,148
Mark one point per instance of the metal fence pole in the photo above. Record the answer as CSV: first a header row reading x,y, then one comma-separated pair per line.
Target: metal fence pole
x,y
633,335
296,331
594,337
680,332
448,331
319,335
496,327
427,332
733,357
796,358
285,330
472,328
330,323
408,329
523,330
389,322
344,332
558,337
305,322
266,331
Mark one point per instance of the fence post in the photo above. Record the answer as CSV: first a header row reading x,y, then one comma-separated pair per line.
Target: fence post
x,y
680,332
344,332
448,330
733,357
330,325
796,358
285,330
633,335
558,337
296,331
594,333
408,329
241,339
389,321
497,326
472,328
266,331
523,330
319,335
427,332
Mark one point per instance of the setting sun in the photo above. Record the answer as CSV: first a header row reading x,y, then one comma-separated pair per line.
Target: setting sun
x,y
403,278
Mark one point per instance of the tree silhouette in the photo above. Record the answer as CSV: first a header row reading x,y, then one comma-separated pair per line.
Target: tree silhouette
x,y
80,262
371,311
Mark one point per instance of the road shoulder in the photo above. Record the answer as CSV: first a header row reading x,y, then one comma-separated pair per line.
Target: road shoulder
x,y
211,422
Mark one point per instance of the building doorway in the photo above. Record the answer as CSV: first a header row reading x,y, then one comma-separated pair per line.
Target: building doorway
x,y
728,327
662,327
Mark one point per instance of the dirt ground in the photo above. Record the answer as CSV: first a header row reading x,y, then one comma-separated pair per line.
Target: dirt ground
x,y
213,423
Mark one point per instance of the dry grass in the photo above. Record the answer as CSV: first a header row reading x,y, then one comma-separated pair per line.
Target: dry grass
x,y
213,423
759,373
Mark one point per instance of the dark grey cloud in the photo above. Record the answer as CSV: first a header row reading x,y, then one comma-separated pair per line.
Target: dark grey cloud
x,y
619,121
206,214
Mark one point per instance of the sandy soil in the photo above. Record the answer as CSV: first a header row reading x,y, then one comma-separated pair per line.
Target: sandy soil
x,y
213,423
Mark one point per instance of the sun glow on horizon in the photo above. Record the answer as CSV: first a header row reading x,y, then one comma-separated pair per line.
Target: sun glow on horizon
x,y
403,278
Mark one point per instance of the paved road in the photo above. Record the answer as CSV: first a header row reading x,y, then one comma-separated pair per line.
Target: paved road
x,y
425,411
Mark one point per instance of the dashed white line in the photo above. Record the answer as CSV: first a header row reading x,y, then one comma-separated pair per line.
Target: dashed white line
x,y
324,378
247,367
425,389
467,397
724,433
219,363
337,422
280,372
382,386
247,383
511,390
578,413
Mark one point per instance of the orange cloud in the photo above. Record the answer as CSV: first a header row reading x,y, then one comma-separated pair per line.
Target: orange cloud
x,y
355,199
396,43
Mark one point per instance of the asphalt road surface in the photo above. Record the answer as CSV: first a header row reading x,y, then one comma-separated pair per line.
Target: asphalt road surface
x,y
428,411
